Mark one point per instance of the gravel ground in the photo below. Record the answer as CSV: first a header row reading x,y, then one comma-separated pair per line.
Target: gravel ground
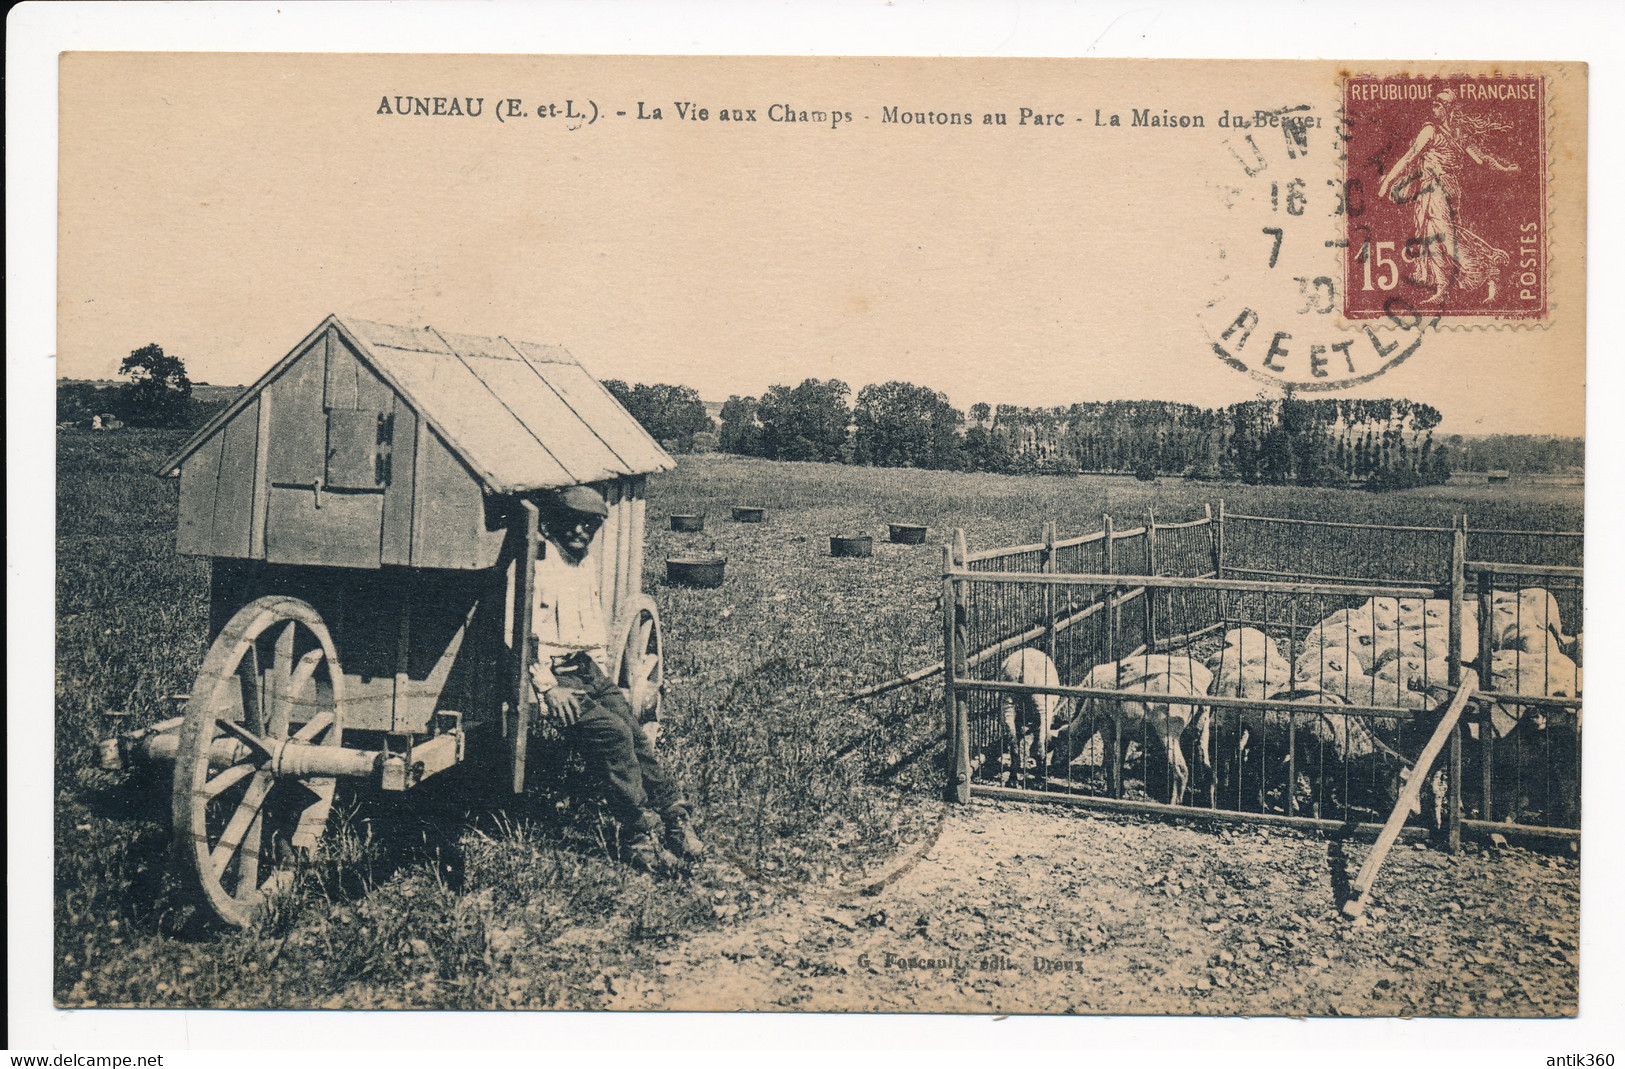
x,y
1024,909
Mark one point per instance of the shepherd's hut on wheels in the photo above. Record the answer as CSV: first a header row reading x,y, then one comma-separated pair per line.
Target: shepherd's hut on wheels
x,y
370,506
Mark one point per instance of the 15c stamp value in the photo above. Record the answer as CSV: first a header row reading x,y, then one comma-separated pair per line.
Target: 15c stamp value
x,y
1445,179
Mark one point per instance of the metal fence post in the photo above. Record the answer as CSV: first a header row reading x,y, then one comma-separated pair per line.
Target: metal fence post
x,y
1150,569
1050,592
1458,596
955,639
1486,681
1220,602
1292,718
1114,759
1109,558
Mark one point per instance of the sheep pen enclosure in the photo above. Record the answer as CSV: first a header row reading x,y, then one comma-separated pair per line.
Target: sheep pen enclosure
x,y
1271,670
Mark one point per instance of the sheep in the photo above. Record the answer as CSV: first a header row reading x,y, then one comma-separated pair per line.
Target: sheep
x,y
1317,661
1410,628
1434,634
1249,665
1250,643
1145,665
1030,716
1378,690
1526,620
1416,672
1341,628
1156,674
1333,748
1548,673
1538,775
1392,614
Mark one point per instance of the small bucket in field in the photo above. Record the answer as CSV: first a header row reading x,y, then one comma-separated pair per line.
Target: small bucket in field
x,y
908,534
696,569
687,522
749,514
851,546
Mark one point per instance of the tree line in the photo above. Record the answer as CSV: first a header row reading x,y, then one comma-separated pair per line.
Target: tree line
x,y
1384,443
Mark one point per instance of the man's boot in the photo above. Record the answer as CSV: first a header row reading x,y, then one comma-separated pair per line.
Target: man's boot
x,y
680,836
647,854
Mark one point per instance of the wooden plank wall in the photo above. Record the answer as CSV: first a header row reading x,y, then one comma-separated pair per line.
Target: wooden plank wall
x,y
639,485
396,543
619,547
298,425
232,497
200,477
450,526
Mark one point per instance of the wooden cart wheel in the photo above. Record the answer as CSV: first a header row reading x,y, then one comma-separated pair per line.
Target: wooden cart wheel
x,y
642,671
272,675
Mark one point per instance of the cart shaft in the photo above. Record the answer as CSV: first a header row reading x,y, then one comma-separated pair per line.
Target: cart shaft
x,y
298,759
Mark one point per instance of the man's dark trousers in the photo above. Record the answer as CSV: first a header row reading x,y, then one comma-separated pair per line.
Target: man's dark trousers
x,y
608,737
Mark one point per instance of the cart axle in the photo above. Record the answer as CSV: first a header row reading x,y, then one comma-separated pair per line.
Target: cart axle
x,y
396,771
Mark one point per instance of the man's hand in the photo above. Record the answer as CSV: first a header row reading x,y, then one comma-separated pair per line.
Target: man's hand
x,y
563,704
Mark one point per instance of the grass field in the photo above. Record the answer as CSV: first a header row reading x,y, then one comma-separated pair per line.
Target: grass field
x,y
459,896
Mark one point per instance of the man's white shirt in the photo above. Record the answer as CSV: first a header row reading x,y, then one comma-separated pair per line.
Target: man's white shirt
x,y
567,616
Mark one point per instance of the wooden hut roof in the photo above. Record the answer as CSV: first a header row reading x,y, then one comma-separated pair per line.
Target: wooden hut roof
x,y
522,416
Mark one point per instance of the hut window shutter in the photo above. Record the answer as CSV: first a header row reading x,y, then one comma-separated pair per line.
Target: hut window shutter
x,y
358,449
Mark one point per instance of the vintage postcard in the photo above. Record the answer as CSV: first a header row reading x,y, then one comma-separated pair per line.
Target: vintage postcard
x,y
1000,536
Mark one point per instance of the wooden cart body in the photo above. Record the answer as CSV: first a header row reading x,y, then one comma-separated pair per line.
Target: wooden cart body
x,y
371,508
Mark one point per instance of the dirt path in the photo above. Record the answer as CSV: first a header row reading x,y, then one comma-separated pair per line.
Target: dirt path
x,y
1026,909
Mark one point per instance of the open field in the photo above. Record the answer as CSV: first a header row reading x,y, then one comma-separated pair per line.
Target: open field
x,y
460,896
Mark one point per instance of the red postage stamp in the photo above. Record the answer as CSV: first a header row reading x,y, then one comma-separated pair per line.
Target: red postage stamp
x,y
1446,197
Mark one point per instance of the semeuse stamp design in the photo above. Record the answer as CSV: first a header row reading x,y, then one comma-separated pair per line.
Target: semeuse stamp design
x,y
1446,197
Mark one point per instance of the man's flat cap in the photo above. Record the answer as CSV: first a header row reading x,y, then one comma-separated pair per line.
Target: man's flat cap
x,y
585,500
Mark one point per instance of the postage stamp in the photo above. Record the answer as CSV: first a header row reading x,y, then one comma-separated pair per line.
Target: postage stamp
x,y
1447,197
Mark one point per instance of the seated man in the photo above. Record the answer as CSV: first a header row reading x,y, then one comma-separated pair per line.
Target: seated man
x,y
569,675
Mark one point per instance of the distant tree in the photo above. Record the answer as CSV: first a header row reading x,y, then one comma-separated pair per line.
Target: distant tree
x,y
986,450
671,414
740,432
899,424
980,413
1438,466
1516,452
808,422
158,393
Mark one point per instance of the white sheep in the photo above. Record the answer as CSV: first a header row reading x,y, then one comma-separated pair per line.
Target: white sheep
x,y
1548,673
1151,675
1417,672
1317,661
1248,666
1030,719
1341,628
1526,619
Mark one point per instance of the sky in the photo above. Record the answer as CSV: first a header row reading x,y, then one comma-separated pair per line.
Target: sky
x,y
221,205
